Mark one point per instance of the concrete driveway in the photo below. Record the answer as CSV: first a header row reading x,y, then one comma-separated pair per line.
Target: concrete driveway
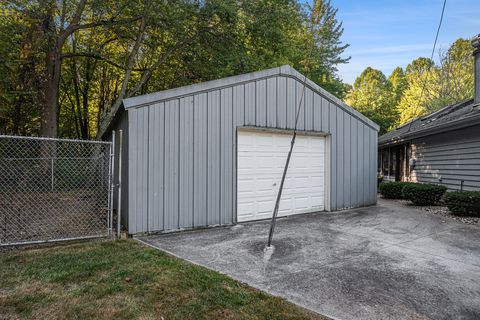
x,y
383,262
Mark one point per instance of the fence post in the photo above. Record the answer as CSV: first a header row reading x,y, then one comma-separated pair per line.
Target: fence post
x,y
51,171
111,184
119,197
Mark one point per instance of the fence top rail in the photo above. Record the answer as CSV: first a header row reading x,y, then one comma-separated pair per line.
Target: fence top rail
x,y
55,139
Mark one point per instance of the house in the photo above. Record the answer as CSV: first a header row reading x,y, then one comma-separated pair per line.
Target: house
x,y
442,147
213,153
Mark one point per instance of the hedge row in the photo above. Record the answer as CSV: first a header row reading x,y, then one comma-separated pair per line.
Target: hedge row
x,y
392,190
463,203
418,193
423,194
459,203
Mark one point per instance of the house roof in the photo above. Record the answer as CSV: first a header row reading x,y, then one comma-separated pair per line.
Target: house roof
x,y
286,71
448,118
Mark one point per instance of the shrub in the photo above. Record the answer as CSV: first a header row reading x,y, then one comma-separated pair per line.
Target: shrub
x,y
423,194
392,190
379,179
463,203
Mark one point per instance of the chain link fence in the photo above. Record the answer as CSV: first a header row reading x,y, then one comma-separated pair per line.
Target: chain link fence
x,y
54,189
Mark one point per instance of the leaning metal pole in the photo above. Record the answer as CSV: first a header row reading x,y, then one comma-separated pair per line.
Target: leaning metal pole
x,y
279,195
292,143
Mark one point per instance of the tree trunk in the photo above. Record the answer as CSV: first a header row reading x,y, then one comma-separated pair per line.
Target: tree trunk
x,y
49,122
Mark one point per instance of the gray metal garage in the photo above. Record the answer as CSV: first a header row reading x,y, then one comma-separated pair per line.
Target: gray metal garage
x,y
212,153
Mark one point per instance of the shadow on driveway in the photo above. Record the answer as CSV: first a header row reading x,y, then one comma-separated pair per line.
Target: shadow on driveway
x,y
382,262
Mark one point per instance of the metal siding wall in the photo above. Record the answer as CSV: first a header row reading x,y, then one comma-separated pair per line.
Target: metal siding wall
x,y
186,163
250,99
171,212
340,160
282,101
300,103
213,158
317,112
347,181
226,156
291,102
361,165
325,127
183,151
332,112
138,175
132,185
238,121
200,161
354,162
156,164
308,109
272,102
261,103
453,156
369,161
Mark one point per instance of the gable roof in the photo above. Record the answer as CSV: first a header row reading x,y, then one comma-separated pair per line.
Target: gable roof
x,y
451,117
286,71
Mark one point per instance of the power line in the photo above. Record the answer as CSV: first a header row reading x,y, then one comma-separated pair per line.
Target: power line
x,y
431,59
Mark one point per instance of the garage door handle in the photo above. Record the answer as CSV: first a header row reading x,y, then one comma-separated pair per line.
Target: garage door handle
x,y
274,184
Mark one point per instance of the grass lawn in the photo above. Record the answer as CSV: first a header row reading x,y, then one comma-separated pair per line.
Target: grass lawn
x,y
125,280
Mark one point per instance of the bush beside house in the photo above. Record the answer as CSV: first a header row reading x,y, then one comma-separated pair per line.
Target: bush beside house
x,y
421,194
418,193
379,180
463,203
392,190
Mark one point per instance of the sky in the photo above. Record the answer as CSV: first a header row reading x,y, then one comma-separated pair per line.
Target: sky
x,y
386,34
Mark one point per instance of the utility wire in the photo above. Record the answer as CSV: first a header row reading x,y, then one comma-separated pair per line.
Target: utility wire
x,y
428,70
316,9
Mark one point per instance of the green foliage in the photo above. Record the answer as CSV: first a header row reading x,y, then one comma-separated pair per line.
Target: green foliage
x,y
463,203
399,83
179,43
444,84
418,96
372,96
423,194
379,179
422,88
393,190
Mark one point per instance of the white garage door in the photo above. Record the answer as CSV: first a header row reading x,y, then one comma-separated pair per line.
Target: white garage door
x,y
261,159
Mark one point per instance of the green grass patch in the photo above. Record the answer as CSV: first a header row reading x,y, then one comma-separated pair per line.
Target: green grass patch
x,y
126,280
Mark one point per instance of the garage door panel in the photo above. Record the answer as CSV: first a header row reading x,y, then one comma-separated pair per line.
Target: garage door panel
x,y
261,160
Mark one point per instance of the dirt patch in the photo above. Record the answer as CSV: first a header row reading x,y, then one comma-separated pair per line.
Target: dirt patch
x,y
44,216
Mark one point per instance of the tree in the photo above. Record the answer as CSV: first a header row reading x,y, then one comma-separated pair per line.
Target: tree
x,y
446,84
456,73
372,96
423,88
399,84
327,50
70,63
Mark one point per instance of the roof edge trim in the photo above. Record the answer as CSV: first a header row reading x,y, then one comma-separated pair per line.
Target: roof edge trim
x,y
446,127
